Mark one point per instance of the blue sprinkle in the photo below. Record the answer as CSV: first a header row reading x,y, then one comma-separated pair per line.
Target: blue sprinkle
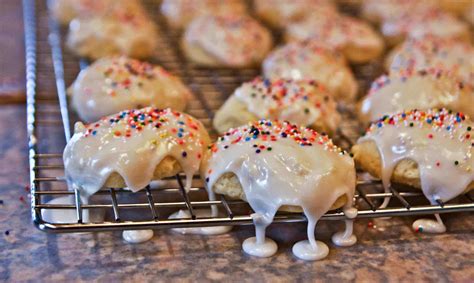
x,y
180,135
181,130
94,133
380,125
247,138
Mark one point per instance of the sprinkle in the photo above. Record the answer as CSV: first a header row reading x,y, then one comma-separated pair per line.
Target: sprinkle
x,y
7,232
456,163
184,154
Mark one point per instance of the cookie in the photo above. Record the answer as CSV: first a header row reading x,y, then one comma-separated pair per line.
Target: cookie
x,y
113,84
430,150
305,103
226,41
132,148
354,38
310,60
279,13
179,13
433,52
123,32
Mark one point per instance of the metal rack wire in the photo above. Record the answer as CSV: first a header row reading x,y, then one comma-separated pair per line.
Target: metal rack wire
x,y
49,127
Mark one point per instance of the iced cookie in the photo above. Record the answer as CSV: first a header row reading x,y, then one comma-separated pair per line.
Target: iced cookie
x,y
311,61
226,41
113,84
277,165
132,148
305,103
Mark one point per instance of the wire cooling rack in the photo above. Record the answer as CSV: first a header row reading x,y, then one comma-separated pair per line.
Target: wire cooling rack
x,y
50,68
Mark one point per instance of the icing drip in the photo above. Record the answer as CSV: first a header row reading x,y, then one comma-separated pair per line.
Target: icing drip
x,y
439,141
311,61
429,225
441,53
299,102
132,143
114,84
422,89
137,236
213,230
230,38
277,164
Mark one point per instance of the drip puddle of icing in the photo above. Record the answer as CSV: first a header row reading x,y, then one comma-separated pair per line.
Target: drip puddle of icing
x,y
213,230
137,236
429,225
69,215
265,249
305,251
346,238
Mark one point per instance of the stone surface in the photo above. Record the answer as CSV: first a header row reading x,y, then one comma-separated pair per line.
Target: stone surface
x,y
390,251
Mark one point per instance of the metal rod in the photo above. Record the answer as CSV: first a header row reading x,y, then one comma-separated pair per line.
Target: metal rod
x,y
185,197
226,207
115,206
77,198
151,202
364,197
400,198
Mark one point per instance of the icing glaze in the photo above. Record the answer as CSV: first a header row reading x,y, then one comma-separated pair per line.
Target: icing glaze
x,y
432,22
114,84
335,30
235,40
277,164
213,230
299,102
439,141
428,52
429,225
132,143
422,89
306,251
311,61
137,236
180,12
126,31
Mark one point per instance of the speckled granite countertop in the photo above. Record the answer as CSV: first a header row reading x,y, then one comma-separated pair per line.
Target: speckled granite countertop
x,y
390,251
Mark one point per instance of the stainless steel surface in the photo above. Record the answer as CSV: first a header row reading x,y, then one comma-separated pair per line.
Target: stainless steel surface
x,y
50,69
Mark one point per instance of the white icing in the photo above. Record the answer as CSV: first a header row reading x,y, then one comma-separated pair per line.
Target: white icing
x,y
311,61
133,149
235,40
114,84
429,225
394,93
311,177
434,147
265,248
213,230
299,102
137,236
